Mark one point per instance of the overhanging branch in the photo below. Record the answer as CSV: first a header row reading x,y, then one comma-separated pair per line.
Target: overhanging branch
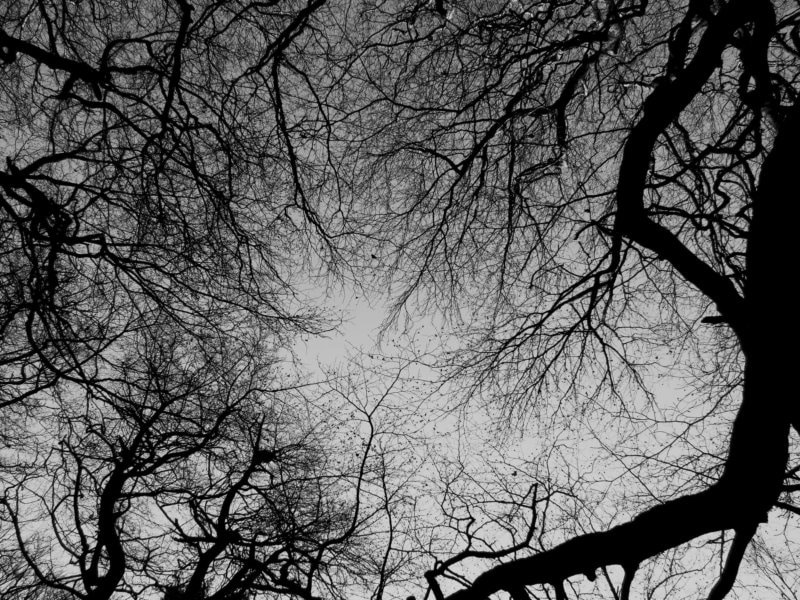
x,y
650,533
660,109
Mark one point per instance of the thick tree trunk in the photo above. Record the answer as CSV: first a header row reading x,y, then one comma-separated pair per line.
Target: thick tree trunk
x,y
758,451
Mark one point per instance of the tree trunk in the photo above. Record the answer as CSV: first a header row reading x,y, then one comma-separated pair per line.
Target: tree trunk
x,y
758,450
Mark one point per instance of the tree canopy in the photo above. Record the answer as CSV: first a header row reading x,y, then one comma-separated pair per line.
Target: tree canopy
x,y
593,203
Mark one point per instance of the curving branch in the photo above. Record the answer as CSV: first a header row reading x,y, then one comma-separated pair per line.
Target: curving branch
x,y
660,109
758,448
655,530
735,555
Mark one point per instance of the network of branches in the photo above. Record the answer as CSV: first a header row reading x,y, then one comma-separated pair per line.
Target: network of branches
x,y
591,203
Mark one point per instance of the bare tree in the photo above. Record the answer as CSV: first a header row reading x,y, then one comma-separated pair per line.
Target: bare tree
x,y
148,168
587,185
183,476
590,184
158,217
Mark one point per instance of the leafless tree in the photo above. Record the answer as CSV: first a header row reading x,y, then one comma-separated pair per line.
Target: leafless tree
x,y
595,185
158,217
183,476
598,191
148,168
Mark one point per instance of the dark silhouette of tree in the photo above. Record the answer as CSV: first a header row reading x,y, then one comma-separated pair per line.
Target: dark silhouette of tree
x,y
182,476
590,182
148,168
158,217
582,185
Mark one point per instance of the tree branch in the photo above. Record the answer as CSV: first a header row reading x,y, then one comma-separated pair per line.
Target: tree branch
x,y
55,61
735,555
660,109
652,532
630,572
